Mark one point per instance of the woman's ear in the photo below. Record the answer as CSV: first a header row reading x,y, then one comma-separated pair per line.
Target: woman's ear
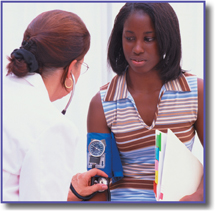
x,y
71,68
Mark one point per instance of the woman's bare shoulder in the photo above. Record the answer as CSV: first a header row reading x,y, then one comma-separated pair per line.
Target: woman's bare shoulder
x,y
96,121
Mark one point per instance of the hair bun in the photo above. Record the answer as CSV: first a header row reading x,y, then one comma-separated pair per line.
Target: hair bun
x,y
28,57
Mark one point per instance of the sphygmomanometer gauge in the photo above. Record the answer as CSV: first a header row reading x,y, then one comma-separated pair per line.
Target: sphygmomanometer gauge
x,y
96,148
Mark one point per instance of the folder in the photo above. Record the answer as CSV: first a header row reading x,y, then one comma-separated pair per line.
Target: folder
x,y
177,171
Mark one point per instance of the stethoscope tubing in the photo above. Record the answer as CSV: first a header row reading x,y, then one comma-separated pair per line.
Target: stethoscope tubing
x,y
71,96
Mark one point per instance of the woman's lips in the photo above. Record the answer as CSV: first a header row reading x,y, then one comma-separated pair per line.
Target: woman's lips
x,y
138,62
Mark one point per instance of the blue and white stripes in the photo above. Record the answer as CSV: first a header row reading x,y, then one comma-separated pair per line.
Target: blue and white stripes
x,y
177,110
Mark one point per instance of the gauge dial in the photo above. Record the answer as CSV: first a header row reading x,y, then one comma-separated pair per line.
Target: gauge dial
x,y
96,148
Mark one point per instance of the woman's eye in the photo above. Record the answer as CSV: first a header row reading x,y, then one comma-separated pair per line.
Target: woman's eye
x,y
149,39
129,38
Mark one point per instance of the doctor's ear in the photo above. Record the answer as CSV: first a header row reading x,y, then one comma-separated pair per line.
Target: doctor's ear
x,y
71,68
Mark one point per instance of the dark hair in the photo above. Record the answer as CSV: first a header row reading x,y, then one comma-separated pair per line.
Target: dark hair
x,y
55,38
167,34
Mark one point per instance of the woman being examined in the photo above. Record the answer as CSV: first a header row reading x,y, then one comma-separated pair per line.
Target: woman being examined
x,y
149,92
39,142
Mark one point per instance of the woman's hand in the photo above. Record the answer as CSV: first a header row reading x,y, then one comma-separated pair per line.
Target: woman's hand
x,y
193,197
198,195
81,183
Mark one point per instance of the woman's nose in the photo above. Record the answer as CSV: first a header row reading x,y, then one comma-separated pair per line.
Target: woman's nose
x,y
138,48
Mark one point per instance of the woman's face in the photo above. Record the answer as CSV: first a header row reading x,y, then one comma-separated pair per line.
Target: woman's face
x,y
139,42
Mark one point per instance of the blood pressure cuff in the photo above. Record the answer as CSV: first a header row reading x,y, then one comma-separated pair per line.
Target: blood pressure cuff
x,y
113,166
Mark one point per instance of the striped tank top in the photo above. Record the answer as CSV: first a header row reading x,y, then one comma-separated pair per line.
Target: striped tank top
x,y
177,110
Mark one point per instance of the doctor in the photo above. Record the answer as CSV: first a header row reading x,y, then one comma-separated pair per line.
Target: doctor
x,y
39,143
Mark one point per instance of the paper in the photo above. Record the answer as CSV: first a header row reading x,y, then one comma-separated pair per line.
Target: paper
x,y
161,139
179,171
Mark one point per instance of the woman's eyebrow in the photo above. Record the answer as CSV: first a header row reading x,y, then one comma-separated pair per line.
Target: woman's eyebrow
x,y
129,31
148,32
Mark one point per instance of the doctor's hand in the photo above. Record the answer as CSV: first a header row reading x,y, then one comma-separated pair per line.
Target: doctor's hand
x,y
82,184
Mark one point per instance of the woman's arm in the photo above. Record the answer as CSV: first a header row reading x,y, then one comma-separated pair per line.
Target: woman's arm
x,y
200,119
199,194
96,123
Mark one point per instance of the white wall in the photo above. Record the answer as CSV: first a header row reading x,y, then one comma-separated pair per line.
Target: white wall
x,y
99,18
191,17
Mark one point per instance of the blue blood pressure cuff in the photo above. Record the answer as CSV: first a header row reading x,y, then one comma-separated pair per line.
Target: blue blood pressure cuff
x,y
103,154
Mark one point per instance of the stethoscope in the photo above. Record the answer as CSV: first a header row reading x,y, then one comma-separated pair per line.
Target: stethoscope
x,y
71,96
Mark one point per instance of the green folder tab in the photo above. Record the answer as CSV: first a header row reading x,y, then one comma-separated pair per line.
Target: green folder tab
x,y
158,141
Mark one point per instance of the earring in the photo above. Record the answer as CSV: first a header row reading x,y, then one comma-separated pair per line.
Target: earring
x,y
164,56
68,87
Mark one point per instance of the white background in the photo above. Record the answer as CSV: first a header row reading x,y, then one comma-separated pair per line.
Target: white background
x,y
99,18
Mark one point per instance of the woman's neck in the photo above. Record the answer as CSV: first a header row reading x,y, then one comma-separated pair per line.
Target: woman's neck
x,y
143,83
54,86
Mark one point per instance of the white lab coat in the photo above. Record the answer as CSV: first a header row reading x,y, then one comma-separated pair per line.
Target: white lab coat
x,y
38,143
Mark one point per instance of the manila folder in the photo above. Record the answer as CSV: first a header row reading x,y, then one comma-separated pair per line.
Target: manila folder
x,y
182,171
